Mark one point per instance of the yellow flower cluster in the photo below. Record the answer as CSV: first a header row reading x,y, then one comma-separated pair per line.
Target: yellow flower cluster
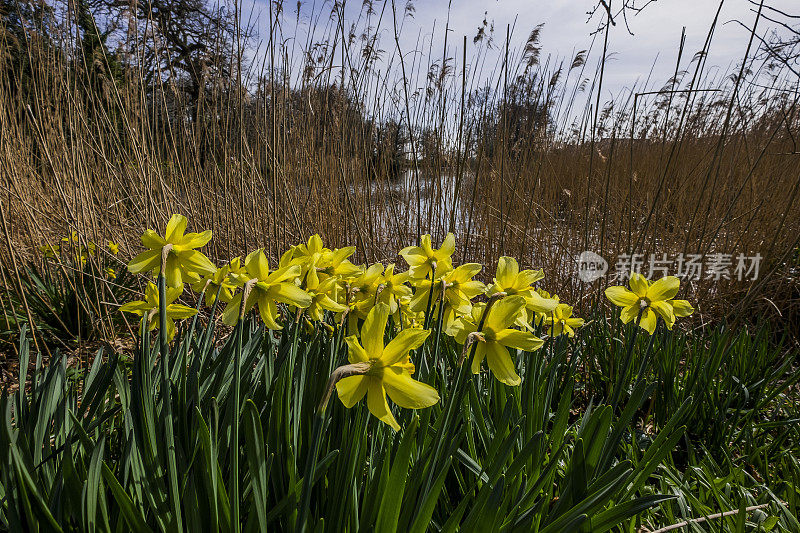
x,y
80,253
312,279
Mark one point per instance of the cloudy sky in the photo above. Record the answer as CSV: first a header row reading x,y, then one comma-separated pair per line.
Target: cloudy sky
x,y
656,30
652,42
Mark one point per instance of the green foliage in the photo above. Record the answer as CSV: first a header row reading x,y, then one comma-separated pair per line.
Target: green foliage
x,y
71,297
87,451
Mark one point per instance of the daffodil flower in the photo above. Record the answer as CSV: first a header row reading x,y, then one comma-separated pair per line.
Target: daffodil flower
x,y
50,251
496,337
392,288
364,288
513,281
319,263
218,282
113,247
73,237
149,307
269,288
459,290
405,317
323,299
652,300
184,263
562,322
388,369
423,259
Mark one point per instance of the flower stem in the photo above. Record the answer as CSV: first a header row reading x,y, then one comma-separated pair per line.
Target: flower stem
x,y
166,397
237,371
623,370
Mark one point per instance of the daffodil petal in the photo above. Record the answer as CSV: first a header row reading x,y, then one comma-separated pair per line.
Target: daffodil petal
x,y
290,294
170,329
173,274
175,228
664,310
535,302
406,391
501,365
153,240
178,311
230,316
268,310
355,352
619,295
681,308
448,247
664,289
504,313
521,340
480,354
288,273
407,340
196,240
638,284
256,264
629,313
378,406
351,389
648,321
373,329
528,277
138,307
326,302
414,255
145,261
507,271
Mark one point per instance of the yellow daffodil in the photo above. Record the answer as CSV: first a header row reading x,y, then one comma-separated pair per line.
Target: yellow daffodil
x,y
392,287
113,247
323,298
513,281
269,288
510,280
562,322
149,307
459,290
364,288
423,259
388,369
219,281
50,251
496,337
541,316
73,237
319,263
652,300
184,263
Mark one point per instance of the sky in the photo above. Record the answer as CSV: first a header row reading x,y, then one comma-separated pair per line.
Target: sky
x,y
656,30
649,41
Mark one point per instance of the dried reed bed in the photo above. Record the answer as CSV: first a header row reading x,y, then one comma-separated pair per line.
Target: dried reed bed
x,y
531,163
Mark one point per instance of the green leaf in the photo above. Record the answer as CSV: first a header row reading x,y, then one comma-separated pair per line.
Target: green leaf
x,y
393,496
